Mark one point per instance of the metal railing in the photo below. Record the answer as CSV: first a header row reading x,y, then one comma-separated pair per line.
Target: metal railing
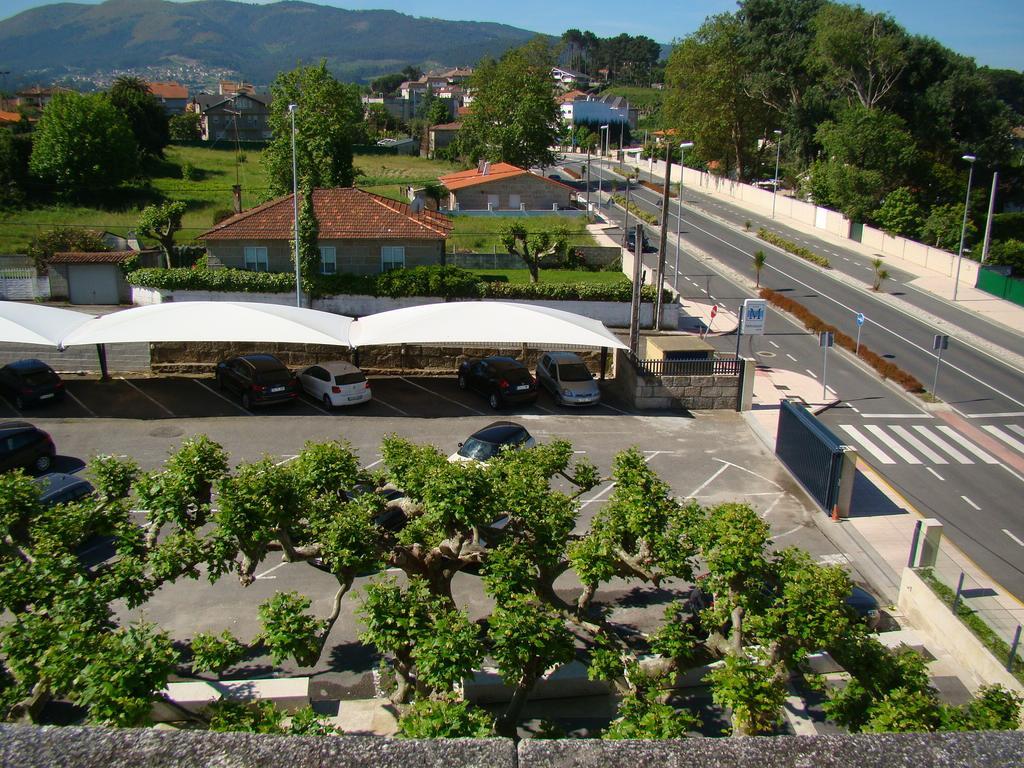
x,y
717,366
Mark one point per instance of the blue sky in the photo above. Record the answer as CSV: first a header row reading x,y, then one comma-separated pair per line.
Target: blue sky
x,y
992,31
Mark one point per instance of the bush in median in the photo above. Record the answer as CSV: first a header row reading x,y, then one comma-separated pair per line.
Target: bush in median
x,y
796,250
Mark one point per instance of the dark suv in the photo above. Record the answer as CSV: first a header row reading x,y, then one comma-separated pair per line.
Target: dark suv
x,y
30,382
257,380
23,445
500,379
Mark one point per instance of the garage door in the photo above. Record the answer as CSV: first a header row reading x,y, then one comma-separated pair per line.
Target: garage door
x,y
92,283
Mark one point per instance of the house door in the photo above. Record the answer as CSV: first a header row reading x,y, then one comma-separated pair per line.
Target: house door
x,y
493,202
92,283
514,202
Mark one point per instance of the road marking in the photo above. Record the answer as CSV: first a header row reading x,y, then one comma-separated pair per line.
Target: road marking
x,y
813,374
772,343
936,440
707,482
867,444
221,396
791,357
83,405
976,507
896,448
597,496
898,416
443,397
1008,439
1008,415
618,410
374,464
270,570
386,404
854,409
157,403
1015,539
921,447
954,435
315,404
285,460
1019,430
940,477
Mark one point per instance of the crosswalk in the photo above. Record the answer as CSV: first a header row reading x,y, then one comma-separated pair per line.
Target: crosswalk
x,y
929,444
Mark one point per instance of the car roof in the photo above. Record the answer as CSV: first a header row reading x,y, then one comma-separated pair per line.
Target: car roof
x,y
28,364
498,432
10,427
564,357
500,361
338,366
263,362
58,481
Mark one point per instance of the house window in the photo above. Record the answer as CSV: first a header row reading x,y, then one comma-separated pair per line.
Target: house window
x,y
392,257
256,258
328,260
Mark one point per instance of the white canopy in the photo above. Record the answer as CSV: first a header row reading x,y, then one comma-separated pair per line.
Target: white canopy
x,y
34,324
481,322
215,321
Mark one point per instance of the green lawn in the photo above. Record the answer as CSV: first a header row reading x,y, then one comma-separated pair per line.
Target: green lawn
x,y
480,233
555,276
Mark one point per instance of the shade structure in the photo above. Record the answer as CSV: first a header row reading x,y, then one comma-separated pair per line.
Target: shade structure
x,y
215,321
34,324
482,322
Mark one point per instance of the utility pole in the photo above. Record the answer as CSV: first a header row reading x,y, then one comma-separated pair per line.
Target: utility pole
x,y
634,307
988,220
659,275
588,182
625,225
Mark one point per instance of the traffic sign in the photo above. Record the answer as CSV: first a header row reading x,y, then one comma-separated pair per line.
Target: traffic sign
x,y
752,316
714,311
940,342
860,318
826,339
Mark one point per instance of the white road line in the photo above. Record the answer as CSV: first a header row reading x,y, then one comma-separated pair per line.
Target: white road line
x,y
940,477
773,343
934,439
812,373
157,403
1008,415
928,453
386,404
954,435
706,483
83,405
437,394
270,570
791,357
285,460
1015,539
618,410
867,444
976,507
1018,429
854,409
597,496
898,416
226,400
1008,439
315,404
895,447
374,464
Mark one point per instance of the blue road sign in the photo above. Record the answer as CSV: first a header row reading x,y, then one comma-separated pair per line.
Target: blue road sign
x,y
860,318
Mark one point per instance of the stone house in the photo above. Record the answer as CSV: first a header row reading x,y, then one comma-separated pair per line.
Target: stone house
x,y
360,233
242,116
505,187
172,96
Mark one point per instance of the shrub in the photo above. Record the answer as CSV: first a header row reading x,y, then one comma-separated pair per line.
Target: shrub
x,y
620,201
221,214
796,250
188,172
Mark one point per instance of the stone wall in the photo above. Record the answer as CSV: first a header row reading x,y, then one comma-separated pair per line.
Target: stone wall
x,y
536,193
668,392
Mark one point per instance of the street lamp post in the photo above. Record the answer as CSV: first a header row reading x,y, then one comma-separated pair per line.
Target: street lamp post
x,y
601,134
679,211
295,209
775,184
588,182
963,227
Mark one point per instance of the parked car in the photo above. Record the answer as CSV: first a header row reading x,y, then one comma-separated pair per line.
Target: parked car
x,y
631,242
484,444
502,380
60,488
567,378
865,606
30,382
335,383
257,380
23,445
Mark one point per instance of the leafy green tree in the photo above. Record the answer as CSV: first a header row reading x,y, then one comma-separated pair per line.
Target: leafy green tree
x,y
328,122
309,240
880,274
388,84
900,214
161,222
759,261
444,719
514,117
533,247
943,226
82,145
146,116
1008,252
15,151
644,715
44,245
185,127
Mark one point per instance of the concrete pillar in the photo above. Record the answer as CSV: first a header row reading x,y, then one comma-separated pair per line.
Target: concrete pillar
x,y
927,544
746,394
847,475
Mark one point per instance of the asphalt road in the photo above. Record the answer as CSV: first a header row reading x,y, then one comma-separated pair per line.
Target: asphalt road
x,y
961,462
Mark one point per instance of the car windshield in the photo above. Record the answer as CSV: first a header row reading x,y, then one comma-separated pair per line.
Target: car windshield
x,y
38,378
478,449
573,372
350,378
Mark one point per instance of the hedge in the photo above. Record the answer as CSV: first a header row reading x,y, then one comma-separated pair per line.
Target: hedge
x,y
814,323
796,250
620,201
443,281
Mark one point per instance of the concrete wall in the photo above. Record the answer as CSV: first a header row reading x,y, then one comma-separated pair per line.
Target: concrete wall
x,y
534,192
361,257
933,618
671,392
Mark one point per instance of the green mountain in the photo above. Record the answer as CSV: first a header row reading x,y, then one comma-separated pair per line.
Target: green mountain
x,y
254,41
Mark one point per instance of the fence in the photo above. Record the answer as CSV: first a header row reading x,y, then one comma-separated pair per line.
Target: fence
x,y
999,282
717,366
816,457
22,284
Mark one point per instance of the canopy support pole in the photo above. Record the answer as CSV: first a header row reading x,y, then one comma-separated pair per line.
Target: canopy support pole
x,y
355,356
101,352
604,361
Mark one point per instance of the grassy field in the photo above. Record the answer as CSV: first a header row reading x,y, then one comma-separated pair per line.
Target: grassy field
x,y
207,193
555,276
480,233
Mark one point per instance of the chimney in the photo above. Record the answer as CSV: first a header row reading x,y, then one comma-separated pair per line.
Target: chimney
x,y
487,168
236,192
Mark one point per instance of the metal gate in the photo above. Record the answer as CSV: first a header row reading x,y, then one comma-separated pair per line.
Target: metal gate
x,y
815,456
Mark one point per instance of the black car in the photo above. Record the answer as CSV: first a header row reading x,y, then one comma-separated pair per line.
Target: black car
x,y
23,445
486,443
631,242
257,380
60,488
501,380
30,382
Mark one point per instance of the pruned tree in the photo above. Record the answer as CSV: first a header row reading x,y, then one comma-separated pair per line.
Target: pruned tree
x,y
161,222
534,247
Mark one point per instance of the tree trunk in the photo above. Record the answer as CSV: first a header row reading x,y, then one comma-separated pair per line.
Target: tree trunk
x,y
534,268
505,725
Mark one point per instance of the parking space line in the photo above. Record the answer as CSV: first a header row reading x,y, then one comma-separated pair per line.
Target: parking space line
x,y
85,407
157,403
374,464
617,410
386,404
226,400
270,570
443,397
11,406
308,400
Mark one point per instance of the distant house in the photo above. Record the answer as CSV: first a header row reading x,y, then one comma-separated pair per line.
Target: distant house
x,y
36,97
10,118
440,136
602,110
223,115
95,277
570,78
505,187
360,233
173,96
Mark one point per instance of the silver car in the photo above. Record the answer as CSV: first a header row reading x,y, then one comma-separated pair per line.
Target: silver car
x,y
566,377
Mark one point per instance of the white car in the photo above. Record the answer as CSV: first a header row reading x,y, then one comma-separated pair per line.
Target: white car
x,y
335,383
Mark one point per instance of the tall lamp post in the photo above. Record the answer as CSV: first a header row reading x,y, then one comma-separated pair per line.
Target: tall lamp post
x,y
601,134
775,184
295,209
963,227
679,211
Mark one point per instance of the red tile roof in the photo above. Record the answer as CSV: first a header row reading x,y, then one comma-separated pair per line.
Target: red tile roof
x,y
496,172
345,213
447,127
10,117
93,257
168,90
